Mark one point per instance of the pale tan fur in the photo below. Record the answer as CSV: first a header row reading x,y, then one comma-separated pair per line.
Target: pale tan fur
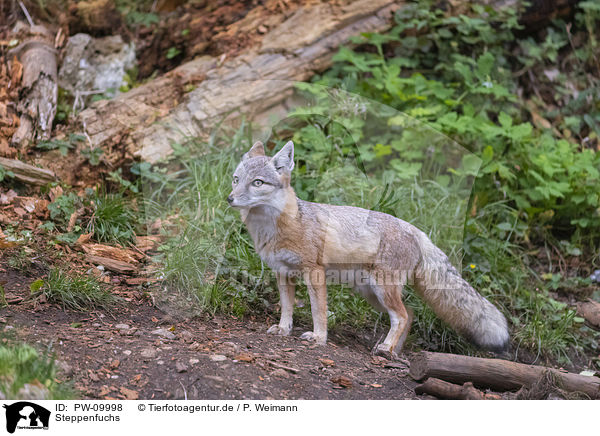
x,y
374,252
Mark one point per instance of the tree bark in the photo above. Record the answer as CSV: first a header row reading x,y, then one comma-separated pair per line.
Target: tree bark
x,y
39,89
496,374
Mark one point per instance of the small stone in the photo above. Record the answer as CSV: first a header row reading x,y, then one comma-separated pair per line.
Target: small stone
x,y
342,380
186,336
33,392
148,353
217,357
214,378
281,373
244,357
127,352
327,362
194,361
122,327
65,368
163,333
180,367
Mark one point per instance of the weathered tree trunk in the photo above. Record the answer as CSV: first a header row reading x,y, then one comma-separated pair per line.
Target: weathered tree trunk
x,y
496,374
145,121
39,90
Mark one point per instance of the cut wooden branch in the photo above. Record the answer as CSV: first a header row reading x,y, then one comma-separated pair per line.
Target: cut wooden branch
x,y
27,173
118,253
280,366
114,265
449,391
39,89
500,375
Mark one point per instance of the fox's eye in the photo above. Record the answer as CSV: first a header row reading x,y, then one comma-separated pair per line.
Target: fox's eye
x,y
235,180
257,183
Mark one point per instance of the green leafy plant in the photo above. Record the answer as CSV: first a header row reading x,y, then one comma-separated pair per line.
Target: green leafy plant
x,y
62,145
4,173
22,365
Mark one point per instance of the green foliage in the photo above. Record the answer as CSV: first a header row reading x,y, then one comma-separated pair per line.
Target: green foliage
x,y
64,106
62,145
4,173
3,302
93,155
137,13
465,89
21,364
172,52
77,291
63,207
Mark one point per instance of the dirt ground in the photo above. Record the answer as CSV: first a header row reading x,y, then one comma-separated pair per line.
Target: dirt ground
x,y
140,352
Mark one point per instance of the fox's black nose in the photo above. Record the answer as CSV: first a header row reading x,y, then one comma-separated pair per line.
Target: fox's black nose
x,y
230,199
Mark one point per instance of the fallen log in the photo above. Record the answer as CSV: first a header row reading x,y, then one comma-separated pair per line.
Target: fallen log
x,y
500,375
449,391
39,89
27,173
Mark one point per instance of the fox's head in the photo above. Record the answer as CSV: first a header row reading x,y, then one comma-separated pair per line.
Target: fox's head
x,y
260,180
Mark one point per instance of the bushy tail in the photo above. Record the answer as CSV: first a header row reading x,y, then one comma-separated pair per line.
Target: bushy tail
x,y
456,302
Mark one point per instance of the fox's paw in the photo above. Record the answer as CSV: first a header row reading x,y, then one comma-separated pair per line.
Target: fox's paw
x,y
276,329
311,336
384,351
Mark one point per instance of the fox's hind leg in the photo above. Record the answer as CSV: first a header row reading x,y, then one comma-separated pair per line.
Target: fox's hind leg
x,y
400,321
287,292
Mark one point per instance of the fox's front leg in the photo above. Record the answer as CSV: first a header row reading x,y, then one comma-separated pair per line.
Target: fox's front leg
x,y
317,291
287,292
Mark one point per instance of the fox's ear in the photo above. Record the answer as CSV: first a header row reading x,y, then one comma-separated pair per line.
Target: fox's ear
x,y
283,161
257,150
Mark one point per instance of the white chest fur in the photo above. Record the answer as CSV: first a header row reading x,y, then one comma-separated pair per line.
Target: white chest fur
x,y
262,226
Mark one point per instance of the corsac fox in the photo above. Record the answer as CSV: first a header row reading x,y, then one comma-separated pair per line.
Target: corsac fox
x,y
375,253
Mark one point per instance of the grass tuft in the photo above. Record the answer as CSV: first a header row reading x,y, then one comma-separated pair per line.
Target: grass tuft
x,y
77,291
